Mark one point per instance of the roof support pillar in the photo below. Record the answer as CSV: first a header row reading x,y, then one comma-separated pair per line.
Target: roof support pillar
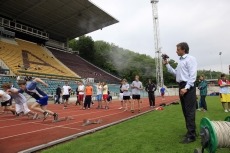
x,y
67,44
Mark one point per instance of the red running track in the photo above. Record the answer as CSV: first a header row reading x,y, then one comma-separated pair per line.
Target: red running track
x,y
19,133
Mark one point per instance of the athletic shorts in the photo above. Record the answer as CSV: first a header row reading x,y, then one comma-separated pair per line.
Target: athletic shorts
x,y
22,108
6,103
99,97
43,101
65,97
105,96
138,97
121,96
80,97
225,98
126,97
162,94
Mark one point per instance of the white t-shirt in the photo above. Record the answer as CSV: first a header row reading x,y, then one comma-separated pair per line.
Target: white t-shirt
x,y
66,90
99,90
5,97
105,90
18,78
81,87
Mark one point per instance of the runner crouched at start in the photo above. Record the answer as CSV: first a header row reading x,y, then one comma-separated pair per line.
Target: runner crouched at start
x,y
40,96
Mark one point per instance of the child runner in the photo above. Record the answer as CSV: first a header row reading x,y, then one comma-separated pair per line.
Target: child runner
x,y
81,90
5,100
162,90
126,93
99,95
105,94
20,101
65,94
224,92
121,96
88,97
40,96
136,95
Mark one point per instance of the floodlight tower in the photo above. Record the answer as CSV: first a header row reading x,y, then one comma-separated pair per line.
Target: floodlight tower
x,y
158,59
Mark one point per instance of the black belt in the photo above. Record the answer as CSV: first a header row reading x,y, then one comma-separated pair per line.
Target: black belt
x,y
182,82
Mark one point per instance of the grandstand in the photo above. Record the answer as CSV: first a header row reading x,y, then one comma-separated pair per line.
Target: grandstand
x,y
38,40
30,55
83,68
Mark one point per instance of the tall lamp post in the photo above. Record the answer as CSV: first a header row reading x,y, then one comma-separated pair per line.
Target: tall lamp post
x,y
221,62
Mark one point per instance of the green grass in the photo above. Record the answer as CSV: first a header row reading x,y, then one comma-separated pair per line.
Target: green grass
x,y
155,132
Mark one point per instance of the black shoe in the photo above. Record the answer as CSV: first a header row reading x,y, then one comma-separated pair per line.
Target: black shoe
x,y
46,114
55,116
188,140
14,113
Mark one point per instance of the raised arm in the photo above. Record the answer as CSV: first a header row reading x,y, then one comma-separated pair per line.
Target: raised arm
x,y
171,70
40,81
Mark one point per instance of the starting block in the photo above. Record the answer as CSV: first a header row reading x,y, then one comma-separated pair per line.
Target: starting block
x,y
63,119
88,122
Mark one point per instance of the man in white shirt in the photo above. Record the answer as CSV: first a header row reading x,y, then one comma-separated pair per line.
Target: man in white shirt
x,y
81,90
186,72
126,94
99,95
65,94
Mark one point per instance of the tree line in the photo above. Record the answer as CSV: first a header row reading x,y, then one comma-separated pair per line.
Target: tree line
x,y
123,62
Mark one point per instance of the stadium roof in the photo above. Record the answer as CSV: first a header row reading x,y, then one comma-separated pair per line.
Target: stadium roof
x,y
62,19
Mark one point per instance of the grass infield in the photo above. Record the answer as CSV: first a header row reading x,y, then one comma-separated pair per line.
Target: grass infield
x,y
155,132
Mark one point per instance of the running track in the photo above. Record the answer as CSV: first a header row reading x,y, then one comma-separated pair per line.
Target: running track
x,y
19,133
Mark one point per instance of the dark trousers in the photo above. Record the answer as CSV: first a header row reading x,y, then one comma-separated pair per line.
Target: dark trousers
x,y
58,99
87,101
203,102
188,104
151,99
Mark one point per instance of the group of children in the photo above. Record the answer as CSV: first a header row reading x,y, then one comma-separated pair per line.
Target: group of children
x,y
41,99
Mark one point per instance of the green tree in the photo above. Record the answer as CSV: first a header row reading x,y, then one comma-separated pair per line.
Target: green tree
x,y
85,45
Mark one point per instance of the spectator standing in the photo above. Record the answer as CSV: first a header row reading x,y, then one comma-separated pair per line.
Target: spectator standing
x,y
99,95
186,72
58,95
66,89
88,97
121,97
224,92
126,93
203,92
162,91
151,88
136,95
81,90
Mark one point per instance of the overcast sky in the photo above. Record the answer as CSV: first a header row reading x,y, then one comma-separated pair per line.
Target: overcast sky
x,y
203,24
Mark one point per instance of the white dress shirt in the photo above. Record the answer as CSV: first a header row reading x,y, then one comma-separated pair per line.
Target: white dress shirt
x,y
186,70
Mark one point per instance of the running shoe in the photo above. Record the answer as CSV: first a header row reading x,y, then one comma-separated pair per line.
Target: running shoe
x,y
98,107
35,116
55,116
132,111
46,114
139,111
120,108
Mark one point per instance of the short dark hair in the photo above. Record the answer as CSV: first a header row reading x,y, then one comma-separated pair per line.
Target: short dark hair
x,y
6,85
21,82
10,81
183,46
223,75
